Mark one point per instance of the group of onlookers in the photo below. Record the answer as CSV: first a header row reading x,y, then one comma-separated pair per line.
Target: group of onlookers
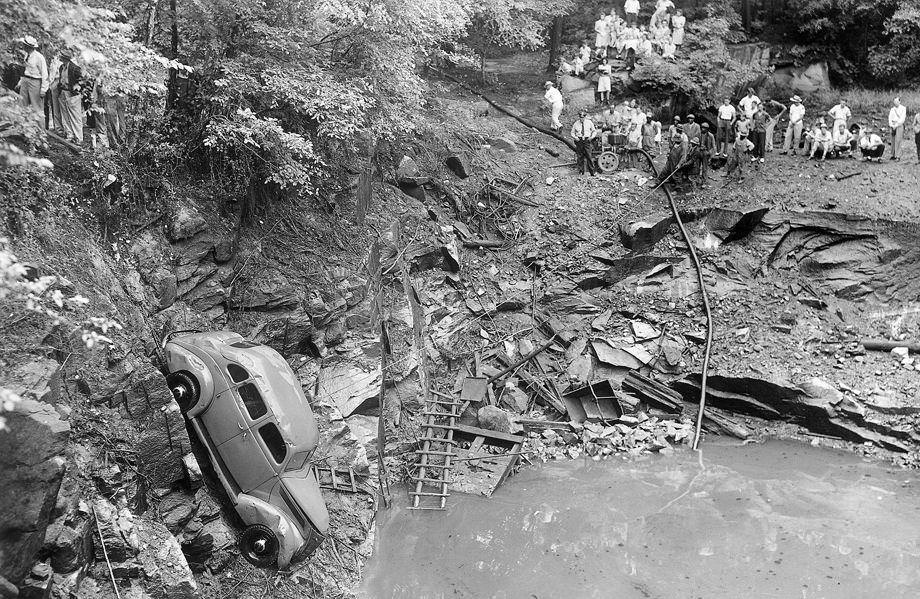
x,y
63,99
623,38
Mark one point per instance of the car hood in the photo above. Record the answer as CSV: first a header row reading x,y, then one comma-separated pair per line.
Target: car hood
x,y
306,492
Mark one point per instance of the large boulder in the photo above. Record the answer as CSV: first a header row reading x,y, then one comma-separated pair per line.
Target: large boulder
x,y
186,222
69,540
494,419
266,292
31,468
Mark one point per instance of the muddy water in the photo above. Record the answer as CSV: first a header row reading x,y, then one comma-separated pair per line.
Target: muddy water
x,y
778,520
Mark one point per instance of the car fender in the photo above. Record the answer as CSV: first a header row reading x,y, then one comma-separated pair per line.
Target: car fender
x,y
255,511
182,358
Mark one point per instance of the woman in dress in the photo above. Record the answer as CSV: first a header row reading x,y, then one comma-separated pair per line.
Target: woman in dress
x,y
678,21
603,82
602,37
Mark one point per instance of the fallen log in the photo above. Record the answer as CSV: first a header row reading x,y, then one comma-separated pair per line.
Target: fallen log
x,y
508,111
484,243
885,345
523,360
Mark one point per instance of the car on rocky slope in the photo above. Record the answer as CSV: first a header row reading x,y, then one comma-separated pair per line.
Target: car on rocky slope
x,y
250,413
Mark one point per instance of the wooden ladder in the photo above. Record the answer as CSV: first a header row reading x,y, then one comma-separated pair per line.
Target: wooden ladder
x,y
435,456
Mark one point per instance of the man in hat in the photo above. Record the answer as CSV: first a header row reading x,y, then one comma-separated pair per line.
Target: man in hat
x,y
823,141
796,124
584,133
69,77
553,98
707,150
672,130
692,128
680,148
34,81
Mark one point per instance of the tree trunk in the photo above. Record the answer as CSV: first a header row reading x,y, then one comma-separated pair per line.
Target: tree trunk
x,y
555,41
746,15
482,67
173,91
152,21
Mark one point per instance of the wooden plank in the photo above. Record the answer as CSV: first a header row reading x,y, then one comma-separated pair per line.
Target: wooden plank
x,y
474,431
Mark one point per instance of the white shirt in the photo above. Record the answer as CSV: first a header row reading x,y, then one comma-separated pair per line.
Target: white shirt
x,y
796,113
747,104
37,68
842,138
897,116
553,96
870,141
631,7
583,129
840,113
726,112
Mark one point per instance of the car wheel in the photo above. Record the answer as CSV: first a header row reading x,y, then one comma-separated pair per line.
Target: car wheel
x,y
185,389
259,545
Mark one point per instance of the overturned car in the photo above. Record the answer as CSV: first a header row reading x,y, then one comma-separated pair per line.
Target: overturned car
x,y
251,415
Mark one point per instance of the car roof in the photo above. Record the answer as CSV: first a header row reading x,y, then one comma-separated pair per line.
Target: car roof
x,y
286,401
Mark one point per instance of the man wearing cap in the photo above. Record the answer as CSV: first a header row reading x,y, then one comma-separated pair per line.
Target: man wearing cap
x,y
823,140
672,130
553,98
707,150
71,101
584,132
34,82
680,148
692,128
793,136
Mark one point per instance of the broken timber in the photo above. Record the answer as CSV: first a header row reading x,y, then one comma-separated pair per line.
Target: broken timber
x,y
487,462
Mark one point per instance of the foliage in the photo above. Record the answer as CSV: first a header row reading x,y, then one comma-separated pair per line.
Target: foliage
x,y
47,296
877,40
511,23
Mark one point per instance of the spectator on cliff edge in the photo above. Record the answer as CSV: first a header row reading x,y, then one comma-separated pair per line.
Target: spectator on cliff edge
x,y
34,81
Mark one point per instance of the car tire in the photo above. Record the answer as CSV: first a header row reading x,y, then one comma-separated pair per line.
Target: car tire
x,y
259,546
185,389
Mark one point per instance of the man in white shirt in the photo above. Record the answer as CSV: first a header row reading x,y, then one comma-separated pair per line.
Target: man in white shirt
x,y
631,8
896,118
841,114
553,98
871,145
584,132
727,116
35,81
749,103
842,140
796,124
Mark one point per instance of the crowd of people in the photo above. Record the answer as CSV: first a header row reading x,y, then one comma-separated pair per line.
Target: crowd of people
x,y
63,100
742,133
623,38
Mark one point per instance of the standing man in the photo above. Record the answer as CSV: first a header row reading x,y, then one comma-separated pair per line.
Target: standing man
x,y
673,129
584,132
631,8
34,82
916,128
796,124
841,114
69,97
759,133
692,129
748,103
727,115
896,117
707,149
553,98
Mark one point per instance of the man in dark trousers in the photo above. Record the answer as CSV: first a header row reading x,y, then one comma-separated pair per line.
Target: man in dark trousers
x,y
584,132
69,80
707,150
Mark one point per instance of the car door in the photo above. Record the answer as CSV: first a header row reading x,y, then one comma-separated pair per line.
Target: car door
x,y
224,418
246,461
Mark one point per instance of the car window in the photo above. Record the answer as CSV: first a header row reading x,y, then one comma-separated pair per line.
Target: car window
x,y
237,373
244,344
274,441
253,401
